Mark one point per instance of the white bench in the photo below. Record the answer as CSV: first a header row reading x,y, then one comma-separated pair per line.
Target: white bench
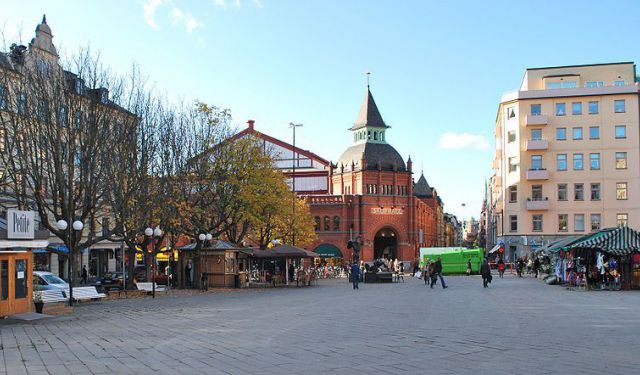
x,y
50,296
85,293
148,287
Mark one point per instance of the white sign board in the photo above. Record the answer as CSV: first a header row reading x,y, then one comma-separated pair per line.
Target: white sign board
x,y
387,211
20,225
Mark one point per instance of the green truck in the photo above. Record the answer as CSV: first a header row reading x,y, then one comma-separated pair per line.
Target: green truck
x,y
454,259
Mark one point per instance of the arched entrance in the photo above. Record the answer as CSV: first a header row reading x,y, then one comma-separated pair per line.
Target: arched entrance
x,y
385,244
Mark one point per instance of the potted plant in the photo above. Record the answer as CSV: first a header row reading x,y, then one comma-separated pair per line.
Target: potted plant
x,y
37,301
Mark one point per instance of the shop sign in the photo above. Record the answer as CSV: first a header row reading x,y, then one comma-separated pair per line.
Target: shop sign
x,y
20,225
387,211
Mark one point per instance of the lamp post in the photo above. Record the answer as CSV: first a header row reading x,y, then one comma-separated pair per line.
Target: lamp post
x,y
63,225
150,234
293,183
202,241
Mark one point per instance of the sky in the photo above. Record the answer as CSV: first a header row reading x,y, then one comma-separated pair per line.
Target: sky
x,y
438,68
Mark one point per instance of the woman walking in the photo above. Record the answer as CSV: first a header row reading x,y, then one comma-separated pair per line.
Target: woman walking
x,y
501,268
485,271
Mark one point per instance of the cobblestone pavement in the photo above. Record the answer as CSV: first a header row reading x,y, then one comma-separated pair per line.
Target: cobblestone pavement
x,y
515,326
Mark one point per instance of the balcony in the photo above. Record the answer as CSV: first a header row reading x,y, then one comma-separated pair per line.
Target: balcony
x,y
537,174
537,204
537,144
536,120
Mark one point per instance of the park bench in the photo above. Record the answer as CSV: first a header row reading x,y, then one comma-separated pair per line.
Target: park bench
x,y
148,287
86,293
50,296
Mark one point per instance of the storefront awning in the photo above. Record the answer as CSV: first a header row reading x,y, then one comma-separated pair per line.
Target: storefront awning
x,y
58,249
557,245
495,248
328,251
615,241
28,244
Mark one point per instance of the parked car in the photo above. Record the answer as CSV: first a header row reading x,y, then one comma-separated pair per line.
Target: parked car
x,y
47,281
109,281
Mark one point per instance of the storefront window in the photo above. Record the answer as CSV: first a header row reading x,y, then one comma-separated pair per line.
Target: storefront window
x,y
41,261
21,279
4,279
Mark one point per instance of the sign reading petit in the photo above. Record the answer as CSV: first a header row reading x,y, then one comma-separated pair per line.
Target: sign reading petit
x,y
20,225
387,211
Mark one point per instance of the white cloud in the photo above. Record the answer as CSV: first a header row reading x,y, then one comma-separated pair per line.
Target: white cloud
x,y
150,8
456,141
236,3
190,23
220,3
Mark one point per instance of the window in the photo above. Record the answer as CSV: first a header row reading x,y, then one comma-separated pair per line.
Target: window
x,y
578,192
42,110
576,108
336,223
327,223
595,192
594,161
621,131
596,219
513,194
375,136
513,223
561,109
618,83
21,105
563,220
561,161
79,86
511,112
621,160
577,134
578,222
105,226
63,116
536,192
512,136
3,98
594,132
594,84
619,106
593,108
561,134
536,109
562,192
622,220
317,223
578,162
536,134
513,164
368,134
561,85
536,162
621,191
537,223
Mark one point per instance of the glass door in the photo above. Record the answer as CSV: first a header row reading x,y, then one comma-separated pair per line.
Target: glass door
x,y
5,303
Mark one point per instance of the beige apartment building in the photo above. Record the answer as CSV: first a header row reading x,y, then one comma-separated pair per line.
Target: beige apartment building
x,y
567,156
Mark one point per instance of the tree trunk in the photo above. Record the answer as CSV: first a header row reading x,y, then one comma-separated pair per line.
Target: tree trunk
x,y
131,265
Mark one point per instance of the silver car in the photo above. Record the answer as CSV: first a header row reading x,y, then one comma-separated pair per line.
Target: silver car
x,y
47,281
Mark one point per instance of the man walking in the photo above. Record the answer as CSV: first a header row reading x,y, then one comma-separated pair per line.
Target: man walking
x,y
355,275
485,271
438,272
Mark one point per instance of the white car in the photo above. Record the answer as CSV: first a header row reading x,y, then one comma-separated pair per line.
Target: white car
x,y
48,281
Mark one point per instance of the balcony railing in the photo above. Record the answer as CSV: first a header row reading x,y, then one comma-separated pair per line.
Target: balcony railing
x,y
537,144
537,174
531,120
537,203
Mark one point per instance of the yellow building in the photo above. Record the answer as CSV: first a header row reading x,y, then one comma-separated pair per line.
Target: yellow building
x,y
567,152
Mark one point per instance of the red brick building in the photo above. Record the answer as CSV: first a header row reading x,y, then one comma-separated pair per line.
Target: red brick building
x,y
369,193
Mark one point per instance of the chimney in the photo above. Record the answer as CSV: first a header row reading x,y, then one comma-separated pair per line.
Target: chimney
x,y
250,123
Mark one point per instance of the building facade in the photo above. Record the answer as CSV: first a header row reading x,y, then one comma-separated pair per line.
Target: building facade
x,y
567,154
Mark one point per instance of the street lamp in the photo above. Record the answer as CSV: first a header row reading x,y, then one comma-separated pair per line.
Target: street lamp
x,y
64,226
204,280
150,234
293,180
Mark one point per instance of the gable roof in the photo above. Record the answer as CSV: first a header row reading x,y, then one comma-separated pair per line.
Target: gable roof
x,y
421,188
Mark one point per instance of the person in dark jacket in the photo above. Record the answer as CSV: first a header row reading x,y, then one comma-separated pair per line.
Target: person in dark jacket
x,y
355,275
485,271
438,272
536,266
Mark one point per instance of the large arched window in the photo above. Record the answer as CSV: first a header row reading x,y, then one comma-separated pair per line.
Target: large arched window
x,y
327,223
382,136
375,136
317,220
336,223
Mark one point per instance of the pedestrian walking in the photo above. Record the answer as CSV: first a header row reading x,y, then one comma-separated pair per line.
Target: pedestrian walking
x,y
468,267
355,275
401,272
84,274
501,268
426,272
438,273
536,267
485,271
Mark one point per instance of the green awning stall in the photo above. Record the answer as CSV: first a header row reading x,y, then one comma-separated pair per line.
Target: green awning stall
x,y
615,241
328,251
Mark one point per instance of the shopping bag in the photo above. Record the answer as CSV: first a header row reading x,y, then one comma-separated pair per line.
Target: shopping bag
x,y
418,274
